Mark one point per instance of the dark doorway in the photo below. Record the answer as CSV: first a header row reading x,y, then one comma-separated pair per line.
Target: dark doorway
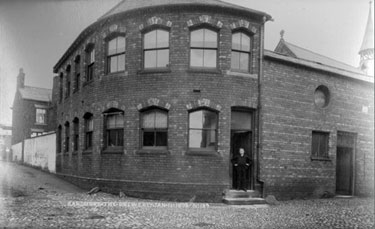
x,y
344,163
240,139
344,170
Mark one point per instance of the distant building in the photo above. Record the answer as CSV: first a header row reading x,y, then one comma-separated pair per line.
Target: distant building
x,y
157,96
367,48
32,111
5,142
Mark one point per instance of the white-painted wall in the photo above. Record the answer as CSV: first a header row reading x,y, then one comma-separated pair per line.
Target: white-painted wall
x,y
41,152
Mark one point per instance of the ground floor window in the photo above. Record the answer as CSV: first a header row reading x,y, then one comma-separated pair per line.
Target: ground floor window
x,y
203,129
319,145
114,128
154,128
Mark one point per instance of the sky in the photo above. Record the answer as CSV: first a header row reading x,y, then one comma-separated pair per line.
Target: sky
x,y
34,34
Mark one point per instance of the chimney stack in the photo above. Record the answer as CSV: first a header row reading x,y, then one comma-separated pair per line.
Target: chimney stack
x,y
21,79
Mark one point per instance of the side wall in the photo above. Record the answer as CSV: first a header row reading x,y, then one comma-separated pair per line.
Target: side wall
x,y
289,117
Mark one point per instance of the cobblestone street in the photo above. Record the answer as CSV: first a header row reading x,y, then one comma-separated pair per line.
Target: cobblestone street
x,y
34,199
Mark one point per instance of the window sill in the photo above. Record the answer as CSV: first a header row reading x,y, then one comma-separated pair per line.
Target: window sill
x,y
113,150
242,74
87,151
320,159
86,83
204,70
154,70
119,73
41,124
153,152
202,152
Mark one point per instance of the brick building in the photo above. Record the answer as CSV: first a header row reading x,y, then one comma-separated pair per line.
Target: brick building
x,y
156,97
32,113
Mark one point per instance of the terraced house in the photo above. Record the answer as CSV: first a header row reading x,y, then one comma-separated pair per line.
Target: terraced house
x,y
155,98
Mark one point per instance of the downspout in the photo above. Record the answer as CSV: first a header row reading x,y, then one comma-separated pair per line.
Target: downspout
x,y
259,120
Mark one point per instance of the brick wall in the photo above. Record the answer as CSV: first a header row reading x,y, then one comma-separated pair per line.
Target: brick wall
x,y
289,117
24,118
145,173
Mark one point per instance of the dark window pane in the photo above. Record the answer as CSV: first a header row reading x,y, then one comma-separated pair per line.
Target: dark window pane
x,y
161,138
148,138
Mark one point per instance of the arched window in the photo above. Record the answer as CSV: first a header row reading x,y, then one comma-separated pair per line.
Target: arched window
x,y
77,72
67,137
76,134
156,49
68,84
203,48
90,60
116,54
203,129
114,128
241,50
89,129
61,86
154,126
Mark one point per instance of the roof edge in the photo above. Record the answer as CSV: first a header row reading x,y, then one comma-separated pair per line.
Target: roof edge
x,y
89,29
314,65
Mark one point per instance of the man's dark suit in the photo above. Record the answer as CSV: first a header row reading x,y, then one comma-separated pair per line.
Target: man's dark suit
x,y
241,163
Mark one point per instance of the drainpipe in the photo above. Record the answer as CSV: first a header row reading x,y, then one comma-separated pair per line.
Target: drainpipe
x,y
259,120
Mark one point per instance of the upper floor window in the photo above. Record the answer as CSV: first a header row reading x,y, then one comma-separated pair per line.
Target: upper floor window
x,y
89,129
203,129
156,49
241,47
76,134
77,71
116,54
114,128
61,87
90,55
203,48
67,136
58,139
68,84
41,116
319,145
154,126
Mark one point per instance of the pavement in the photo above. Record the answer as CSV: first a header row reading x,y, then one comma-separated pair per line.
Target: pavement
x,y
30,198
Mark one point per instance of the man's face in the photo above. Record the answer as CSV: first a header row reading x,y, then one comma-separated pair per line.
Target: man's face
x,y
242,152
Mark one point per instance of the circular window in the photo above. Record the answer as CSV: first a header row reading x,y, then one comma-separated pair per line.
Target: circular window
x,y
321,96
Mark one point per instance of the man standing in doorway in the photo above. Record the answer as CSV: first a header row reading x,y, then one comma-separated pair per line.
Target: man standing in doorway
x,y
242,163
